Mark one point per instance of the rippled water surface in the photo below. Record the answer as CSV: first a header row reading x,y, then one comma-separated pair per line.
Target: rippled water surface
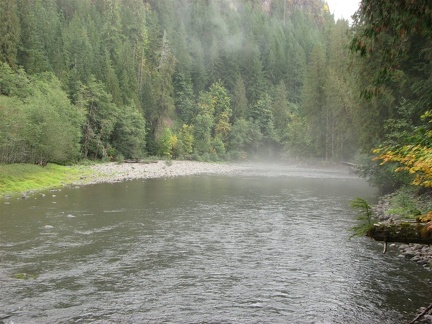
x,y
267,245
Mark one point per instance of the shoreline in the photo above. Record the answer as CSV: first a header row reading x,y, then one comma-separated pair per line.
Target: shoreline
x,y
414,252
113,172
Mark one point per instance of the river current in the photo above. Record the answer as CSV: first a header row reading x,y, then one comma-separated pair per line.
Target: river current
x,y
266,245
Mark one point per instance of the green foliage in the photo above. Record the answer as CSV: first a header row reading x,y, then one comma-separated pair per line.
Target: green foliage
x,y
53,130
185,141
163,88
167,142
9,32
133,68
13,83
244,137
41,128
13,120
394,42
405,204
297,139
281,109
218,148
222,111
262,115
184,99
100,118
239,102
202,133
364,217
382,177
314,100
129,134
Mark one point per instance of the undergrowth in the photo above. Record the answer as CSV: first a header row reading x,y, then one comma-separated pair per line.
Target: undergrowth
x,y
408,202
16,178
364,217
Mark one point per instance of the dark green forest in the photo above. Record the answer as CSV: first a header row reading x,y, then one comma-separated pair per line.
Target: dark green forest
x,y
189,79
214,80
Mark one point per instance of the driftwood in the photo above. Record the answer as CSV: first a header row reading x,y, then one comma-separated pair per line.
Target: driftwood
x,y
402,232
353,165
419,316
139,161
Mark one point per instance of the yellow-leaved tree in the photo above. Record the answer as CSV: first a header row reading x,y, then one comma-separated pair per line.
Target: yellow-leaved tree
x,y
414,158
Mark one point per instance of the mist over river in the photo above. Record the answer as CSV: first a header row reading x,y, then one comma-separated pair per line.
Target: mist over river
x,y
269,244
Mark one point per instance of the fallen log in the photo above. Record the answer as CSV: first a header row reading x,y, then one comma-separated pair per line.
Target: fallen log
x,y
402,232
139,161
353,165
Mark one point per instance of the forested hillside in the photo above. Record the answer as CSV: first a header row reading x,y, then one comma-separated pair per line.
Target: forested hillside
x,y
226,79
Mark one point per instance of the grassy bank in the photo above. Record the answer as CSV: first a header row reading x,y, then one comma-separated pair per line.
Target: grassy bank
x,y
16,178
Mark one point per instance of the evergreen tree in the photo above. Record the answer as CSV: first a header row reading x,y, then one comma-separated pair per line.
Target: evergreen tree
x,y
184,98
262,116
239,102
281,109
162,84
9,32
314,101
341,102
100,119
129,134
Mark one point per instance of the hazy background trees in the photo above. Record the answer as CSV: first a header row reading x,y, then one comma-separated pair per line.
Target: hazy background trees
x,y
209,80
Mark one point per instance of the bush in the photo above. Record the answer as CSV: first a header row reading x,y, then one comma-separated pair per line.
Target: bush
x,y
167,143
45,127
119,158
382,177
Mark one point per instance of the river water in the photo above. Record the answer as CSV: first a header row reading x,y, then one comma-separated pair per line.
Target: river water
x,y
267,245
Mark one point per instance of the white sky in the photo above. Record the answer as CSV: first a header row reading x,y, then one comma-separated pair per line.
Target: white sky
x,y
343,8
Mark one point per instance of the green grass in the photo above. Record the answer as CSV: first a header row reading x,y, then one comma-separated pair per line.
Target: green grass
x,y
16,178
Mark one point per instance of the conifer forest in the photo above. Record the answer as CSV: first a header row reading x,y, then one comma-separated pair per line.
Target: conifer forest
x,y
217,80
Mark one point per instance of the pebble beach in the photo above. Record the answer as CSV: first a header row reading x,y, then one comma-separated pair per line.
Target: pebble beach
x,y
118,172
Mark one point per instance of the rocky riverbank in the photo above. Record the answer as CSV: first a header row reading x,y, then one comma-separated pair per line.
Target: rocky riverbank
x,y
119,172
419,253
24,180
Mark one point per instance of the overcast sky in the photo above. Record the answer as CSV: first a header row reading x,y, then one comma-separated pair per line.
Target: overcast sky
x,y
343,8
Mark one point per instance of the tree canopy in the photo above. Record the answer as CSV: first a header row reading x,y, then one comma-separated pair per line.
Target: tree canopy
x,y
395,38
226,80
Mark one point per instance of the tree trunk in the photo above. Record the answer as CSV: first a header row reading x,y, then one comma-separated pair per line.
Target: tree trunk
x,y
402,232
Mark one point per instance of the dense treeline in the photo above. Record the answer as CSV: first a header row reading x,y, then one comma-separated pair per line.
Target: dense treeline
x,y
394,41
194,79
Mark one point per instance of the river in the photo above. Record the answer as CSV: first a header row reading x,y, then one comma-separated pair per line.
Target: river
x,y
267,245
